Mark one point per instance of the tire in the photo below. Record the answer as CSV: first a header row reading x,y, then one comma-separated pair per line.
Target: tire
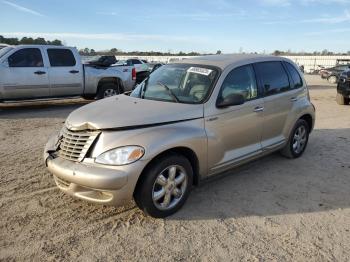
x,y
341,100
297,141
156,186
332,79
89,97
108,90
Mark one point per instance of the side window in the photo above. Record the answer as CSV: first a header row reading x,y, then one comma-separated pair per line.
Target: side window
x,y
61,57
273,76
242,81
297,81
136,62
27,57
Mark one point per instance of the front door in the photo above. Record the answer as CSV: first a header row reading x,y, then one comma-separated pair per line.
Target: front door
x,y
25,75
65,73
234,132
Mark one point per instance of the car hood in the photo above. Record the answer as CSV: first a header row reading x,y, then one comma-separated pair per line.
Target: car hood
x,y
123,112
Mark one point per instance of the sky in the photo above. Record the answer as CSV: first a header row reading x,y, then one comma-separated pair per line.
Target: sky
x,y
183,25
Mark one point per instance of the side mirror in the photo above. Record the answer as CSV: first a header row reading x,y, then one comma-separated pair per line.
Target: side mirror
x,y
231,100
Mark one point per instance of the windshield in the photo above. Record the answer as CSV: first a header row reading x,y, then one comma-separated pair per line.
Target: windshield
x,y
178,83
5,50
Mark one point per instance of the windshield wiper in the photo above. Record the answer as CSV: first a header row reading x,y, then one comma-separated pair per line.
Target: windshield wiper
x,y
171,93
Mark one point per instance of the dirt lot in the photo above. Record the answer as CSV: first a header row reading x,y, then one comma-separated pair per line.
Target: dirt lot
x,y
272,209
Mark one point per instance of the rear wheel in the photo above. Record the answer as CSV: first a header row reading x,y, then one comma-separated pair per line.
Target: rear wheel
x,y
165,186
298,139
341,100
108,90
332,79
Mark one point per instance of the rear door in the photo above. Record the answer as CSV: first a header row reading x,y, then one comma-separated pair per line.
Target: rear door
x,y
279,97
234,132
25,75
65,73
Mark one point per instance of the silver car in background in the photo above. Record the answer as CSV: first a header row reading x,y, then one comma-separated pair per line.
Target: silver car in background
x,y
187,122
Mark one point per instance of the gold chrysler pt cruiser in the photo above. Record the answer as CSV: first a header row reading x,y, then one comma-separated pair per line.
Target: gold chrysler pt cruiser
x,y
186,122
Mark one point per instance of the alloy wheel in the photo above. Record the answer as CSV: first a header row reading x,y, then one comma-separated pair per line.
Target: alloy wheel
x,y
169,187
109,92
299,139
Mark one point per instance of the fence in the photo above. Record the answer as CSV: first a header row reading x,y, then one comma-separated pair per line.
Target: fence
x,y
310,63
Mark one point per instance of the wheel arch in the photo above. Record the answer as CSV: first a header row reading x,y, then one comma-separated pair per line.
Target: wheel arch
x,y
309,120
113,80
181,150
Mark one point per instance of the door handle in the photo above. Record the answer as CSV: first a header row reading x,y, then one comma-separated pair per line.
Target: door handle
x,y
40,73
293,99
258,109
74,71
212,118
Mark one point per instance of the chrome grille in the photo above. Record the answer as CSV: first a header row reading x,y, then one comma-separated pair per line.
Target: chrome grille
x,y
75,144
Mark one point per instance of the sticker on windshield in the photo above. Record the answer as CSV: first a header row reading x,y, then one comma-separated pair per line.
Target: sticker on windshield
x,y
200,70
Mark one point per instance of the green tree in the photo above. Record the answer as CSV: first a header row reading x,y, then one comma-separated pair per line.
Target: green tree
x,y
39,41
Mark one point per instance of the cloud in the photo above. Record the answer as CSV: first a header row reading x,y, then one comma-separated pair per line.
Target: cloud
x,y
284,3
108,13
306,2
22,8
324,20
326,32
201,16
107,36
277,3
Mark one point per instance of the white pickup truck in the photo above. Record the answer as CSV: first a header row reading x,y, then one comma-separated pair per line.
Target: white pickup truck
x,y
42,71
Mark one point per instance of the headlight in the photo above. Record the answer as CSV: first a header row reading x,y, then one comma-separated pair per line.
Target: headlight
x,y
121,156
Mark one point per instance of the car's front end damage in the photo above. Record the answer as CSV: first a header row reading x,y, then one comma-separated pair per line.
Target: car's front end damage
x,y
99,154
70,158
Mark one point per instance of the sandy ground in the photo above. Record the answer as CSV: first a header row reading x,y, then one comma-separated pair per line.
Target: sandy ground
x,y
272,209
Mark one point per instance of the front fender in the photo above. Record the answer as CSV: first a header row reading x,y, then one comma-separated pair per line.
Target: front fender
x,y
155,140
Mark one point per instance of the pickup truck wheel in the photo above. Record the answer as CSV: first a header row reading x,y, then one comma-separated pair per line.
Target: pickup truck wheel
x,y
165,186
341,100
332,79
298,139
108,90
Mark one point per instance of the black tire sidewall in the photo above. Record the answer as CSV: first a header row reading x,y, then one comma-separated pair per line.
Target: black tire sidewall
x,y
143,196
104,87
299,123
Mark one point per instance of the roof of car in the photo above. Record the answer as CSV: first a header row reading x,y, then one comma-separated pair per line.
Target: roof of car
x,y
50,46
222,61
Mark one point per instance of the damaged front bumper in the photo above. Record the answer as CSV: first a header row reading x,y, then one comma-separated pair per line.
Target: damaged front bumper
x,y
89,181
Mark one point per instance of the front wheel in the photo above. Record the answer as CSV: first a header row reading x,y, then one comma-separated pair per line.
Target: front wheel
x,y
298,139
165,186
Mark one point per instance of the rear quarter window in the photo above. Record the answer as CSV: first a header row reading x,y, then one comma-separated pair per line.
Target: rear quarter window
x,y
61,57
297,80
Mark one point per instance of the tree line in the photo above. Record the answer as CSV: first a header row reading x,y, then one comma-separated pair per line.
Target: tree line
x,y
118,52
28,41
324,52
